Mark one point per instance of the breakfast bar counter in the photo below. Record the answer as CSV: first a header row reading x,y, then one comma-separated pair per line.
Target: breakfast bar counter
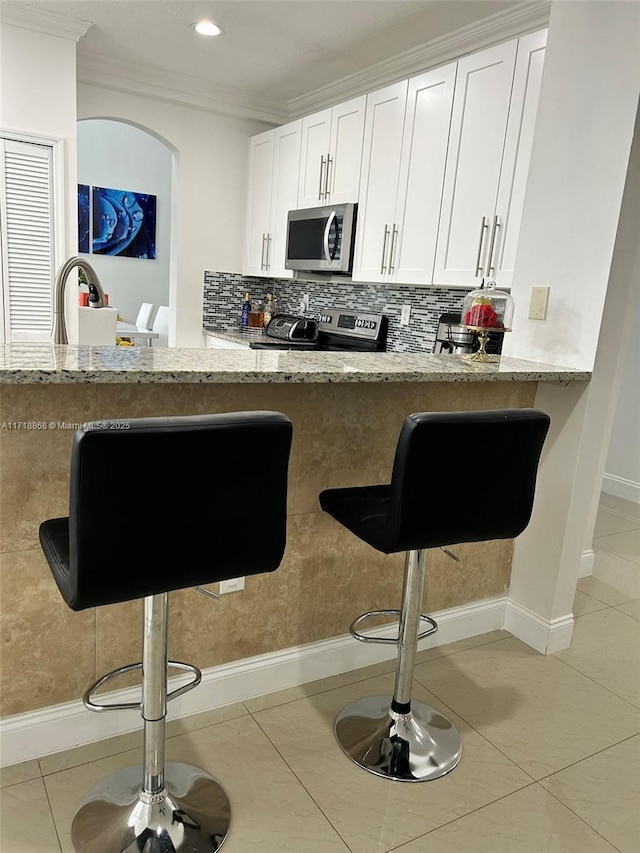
x,y
62,364
347,411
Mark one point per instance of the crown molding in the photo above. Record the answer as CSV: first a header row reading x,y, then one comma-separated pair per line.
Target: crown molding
x,y
43,21
148,81
158,84
526,17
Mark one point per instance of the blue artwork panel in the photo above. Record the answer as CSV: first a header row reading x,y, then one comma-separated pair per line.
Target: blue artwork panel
x,y
83,218
124,223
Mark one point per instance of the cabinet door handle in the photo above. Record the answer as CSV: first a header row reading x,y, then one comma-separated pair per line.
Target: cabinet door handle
x,y
394,234
268,260
496,225
384,249
326,177
262,261
320,184
484,225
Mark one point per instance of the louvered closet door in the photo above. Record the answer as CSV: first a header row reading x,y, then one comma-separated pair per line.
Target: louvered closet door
x,y
26,233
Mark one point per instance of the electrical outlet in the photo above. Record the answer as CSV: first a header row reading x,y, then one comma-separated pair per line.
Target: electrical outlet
x,y
233,585
304,303
538,303
405,315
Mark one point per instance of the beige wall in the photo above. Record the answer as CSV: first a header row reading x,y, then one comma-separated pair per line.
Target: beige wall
x,y
343,435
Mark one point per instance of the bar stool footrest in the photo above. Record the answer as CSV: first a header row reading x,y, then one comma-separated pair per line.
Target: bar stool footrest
x,y
90,705
364,638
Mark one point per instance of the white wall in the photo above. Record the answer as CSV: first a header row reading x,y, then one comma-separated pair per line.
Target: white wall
x,y
578,166
622,469
118,155
571,222
210,168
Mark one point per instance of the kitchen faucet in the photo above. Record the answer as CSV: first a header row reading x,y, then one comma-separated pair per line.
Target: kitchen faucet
x,y
96,295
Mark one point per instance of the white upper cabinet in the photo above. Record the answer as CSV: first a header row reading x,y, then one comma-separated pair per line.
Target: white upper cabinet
x,y
403,172
424,153
517,154
438,165
274,161
331,155
286,166
381,155
258,202
474,160
494,112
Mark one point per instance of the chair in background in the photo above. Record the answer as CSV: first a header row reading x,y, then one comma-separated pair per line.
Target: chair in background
x,y
145,314
98,557
161,325
497,453
141,330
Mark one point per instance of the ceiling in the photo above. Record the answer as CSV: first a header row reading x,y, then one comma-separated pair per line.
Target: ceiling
x,y
273,49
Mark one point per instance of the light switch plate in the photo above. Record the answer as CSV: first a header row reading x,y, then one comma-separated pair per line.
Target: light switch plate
x,y
538,303
405,315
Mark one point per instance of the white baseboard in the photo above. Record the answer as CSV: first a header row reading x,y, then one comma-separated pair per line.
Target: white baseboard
x,y
59,727
628,490
546,636
586,563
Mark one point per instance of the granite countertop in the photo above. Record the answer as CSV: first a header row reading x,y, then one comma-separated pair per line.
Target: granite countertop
x,y
235,335
30,364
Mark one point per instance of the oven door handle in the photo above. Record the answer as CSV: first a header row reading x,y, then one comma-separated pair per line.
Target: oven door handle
x,y
327,228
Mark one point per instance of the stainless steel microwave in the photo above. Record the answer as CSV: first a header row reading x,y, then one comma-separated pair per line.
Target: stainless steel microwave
x,y
320,239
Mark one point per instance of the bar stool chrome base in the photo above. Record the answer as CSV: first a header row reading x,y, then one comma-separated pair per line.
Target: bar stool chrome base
x,y
414,747
192,815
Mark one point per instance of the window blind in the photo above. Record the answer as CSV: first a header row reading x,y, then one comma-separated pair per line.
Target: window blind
x,y
26,229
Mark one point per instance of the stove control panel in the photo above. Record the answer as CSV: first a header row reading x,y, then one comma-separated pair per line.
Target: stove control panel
x,y
350,323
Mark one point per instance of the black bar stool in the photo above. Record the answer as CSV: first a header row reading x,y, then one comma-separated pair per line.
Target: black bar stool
x,y
200,493
498,454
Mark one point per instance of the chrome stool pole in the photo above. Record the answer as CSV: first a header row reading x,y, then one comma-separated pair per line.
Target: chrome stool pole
x,y
174,809
396,737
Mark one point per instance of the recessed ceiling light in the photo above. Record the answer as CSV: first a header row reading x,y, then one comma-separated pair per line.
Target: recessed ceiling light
x,y
208,28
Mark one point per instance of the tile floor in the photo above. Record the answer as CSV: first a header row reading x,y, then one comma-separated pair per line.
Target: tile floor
x,y
551,748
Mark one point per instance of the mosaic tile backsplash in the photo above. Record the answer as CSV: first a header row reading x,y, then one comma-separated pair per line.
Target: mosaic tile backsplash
x,y
224,293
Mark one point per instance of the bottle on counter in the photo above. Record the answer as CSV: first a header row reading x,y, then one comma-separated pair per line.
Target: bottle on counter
x,y
269,309
246,310
256,315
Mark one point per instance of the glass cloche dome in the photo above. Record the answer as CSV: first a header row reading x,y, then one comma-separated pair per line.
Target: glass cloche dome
x,y
487,310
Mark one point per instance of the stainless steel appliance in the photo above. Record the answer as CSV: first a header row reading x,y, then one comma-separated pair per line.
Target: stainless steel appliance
x,y
320,239
452,337
337,330
288,327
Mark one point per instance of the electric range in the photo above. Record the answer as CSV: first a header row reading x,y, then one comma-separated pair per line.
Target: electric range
x,y
337,331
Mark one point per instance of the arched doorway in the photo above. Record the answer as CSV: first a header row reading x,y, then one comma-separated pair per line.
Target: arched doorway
x,y
118,155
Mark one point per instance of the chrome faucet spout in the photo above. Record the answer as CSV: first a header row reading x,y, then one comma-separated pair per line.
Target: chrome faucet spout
x,y
96,295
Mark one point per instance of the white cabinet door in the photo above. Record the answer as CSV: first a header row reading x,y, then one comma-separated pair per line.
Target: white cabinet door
x,y
474,160
258,203
332,155
379,181
316,139
517,154
286,165
274,161
424,154
345,151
